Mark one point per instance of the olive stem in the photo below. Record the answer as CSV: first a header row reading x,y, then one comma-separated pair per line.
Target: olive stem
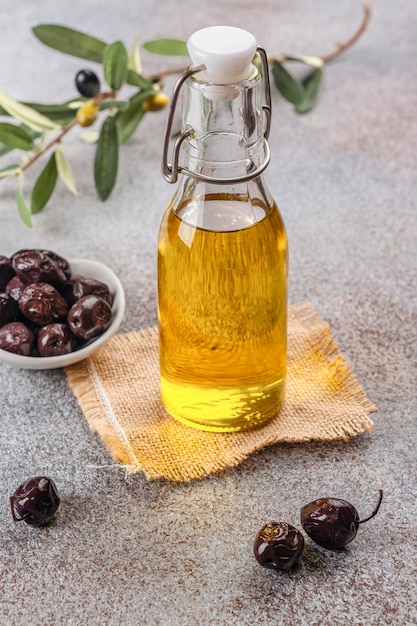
x,y
375,511
104,95
326,58
49,145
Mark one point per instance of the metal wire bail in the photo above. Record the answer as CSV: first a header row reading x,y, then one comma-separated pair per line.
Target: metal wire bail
x,y
171,169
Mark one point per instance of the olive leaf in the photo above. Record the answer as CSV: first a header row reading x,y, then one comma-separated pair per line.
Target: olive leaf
x,y
137,80
115,64
64,170
9,170
44,186
106,159
166,47
70,41
302,58
61,113
311,85
26,114
134,62
128,121
15,136
4,149
79,44
286,84
22,207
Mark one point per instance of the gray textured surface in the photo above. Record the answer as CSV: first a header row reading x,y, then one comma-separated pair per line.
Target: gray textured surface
x,y
127,551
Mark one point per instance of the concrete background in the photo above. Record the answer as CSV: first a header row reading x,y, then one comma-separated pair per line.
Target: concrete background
x,y
127,551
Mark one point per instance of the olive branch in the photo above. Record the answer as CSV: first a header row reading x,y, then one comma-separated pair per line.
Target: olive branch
x,y
36,129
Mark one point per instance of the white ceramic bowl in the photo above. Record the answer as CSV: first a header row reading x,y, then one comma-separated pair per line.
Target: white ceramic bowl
x,y
88,269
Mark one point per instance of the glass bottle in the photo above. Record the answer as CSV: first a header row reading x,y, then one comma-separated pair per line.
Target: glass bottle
x,y
222,249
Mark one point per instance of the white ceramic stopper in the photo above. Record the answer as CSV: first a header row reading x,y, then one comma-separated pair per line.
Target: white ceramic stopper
x,y
226,51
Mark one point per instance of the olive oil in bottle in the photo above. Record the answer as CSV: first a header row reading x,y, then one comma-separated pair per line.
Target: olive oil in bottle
x,y
222,262
222,316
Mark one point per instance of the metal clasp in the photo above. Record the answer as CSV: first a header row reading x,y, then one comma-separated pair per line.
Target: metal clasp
x,y
266,108
171,169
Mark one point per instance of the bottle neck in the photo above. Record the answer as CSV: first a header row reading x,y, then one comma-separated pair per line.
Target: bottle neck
x,y
226,140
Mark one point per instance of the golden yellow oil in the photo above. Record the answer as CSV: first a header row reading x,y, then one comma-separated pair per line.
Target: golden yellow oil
x,y
222,320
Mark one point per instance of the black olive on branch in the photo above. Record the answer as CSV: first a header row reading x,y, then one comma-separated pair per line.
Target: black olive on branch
x,y
87,83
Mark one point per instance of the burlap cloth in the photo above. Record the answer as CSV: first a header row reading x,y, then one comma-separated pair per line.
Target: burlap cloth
x,y
118,391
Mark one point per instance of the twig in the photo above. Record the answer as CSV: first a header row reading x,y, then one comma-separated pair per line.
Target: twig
x,y
46,147
159,76
341,47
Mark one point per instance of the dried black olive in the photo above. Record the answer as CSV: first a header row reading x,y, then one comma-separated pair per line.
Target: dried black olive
x,y
332,522
55,340
278,545
17,338
60,261
40,266
6,271
35,501
89,317
9,311
42,304
78,287
14,288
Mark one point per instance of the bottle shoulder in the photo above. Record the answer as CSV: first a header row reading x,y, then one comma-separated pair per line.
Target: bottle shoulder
x,y
266,234
219,208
